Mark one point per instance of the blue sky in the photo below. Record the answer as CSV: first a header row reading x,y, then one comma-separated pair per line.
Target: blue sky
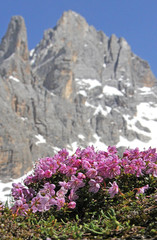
x,y
135,20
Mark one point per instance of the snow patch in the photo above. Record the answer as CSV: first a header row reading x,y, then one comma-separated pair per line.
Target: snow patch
x,y
147,116
32,56
146,90
131,125
82,92
121,78
72,147
98,144
56,149
49,46
32,61
24,118
5,188
88,83
132,144
147,110
14,79
87,104
108,90
40,138
81,137
100,96
126,82
31,52
99,109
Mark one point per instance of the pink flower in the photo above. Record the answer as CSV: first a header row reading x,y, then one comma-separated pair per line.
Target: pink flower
x,y
63,168
40,203
86,164
142,190
73,161
94,186
76,183
81,175
20,208
72,205
113,171
64,153
48,189
140,165
60,203
72,196
112,149
28,180
39,173
61,192
91,173
47,173
17,191
88,153
64,184
78,152
52,202
103,169
152,169
114,189
85,167
126,153
125,162
98,179
50,164
70,171
130,169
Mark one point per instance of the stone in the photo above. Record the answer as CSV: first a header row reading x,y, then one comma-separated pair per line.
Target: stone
x,y
75,85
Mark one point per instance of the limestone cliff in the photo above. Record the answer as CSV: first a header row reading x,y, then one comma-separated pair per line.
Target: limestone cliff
x,y
76,86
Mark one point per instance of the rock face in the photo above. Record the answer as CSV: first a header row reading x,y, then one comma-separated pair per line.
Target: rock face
x,y
77,87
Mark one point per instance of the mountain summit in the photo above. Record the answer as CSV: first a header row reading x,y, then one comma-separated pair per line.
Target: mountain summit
x,y
15,40
78,87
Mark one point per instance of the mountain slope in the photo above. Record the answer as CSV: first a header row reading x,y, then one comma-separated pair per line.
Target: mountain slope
x,y
78,87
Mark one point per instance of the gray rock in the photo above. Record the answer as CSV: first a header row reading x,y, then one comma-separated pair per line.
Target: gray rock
x,y
76,83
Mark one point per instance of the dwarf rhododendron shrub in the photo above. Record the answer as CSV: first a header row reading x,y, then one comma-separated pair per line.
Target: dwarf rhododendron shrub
x,y
58,182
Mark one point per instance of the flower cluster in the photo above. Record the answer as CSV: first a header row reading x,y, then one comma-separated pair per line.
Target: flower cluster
x,y
56,181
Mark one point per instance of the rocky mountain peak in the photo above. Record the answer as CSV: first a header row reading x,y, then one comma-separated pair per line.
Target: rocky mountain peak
x,y
14,53
71,19
15,39
78,88
72,26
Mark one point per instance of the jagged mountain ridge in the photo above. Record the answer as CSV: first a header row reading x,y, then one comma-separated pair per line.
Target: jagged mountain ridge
x,y
77,86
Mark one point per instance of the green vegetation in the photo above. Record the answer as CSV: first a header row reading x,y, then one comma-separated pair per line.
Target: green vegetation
x,y
89,195
97,216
